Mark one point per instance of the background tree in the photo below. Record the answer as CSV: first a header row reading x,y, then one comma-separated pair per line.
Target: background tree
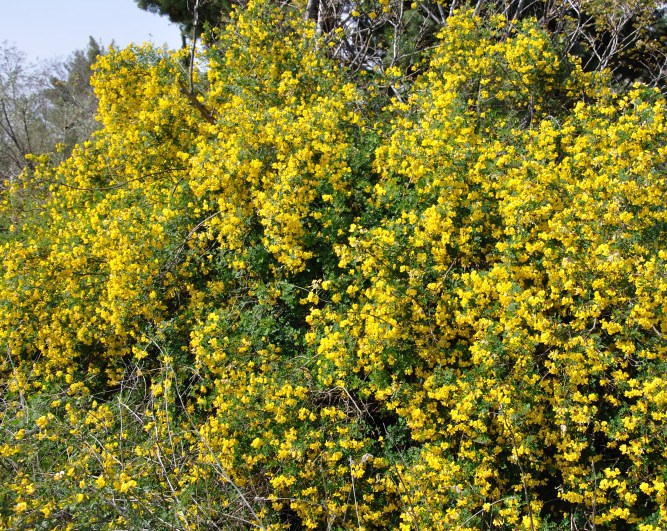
x,y
44,105
23,112
72,100
46,109
626,36
181,12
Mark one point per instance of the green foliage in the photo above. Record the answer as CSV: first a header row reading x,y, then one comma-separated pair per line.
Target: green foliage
x,y
182,12
285,300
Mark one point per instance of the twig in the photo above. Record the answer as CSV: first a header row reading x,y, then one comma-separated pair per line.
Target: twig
x,y
523,473
482,510
354,494
595,488
24,404
218,464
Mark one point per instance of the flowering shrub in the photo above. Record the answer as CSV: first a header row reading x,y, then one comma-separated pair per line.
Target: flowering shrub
x,y
267,303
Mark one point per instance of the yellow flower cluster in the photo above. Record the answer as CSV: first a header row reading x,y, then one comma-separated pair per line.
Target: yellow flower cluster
x,y
257,298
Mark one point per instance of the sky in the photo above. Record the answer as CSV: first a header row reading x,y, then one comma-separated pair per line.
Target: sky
x,y
52,29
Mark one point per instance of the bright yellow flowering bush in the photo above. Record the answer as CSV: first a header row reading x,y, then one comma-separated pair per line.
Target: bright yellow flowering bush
x,y
262,301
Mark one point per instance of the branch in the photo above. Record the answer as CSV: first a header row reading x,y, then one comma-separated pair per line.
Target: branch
x,y
194,44
192,98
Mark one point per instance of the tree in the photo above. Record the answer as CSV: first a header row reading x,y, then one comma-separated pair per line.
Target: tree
x,y
23,111
209,12
73,103
42,106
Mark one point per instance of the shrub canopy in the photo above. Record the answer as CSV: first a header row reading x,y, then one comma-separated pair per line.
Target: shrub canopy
x,y
283,300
